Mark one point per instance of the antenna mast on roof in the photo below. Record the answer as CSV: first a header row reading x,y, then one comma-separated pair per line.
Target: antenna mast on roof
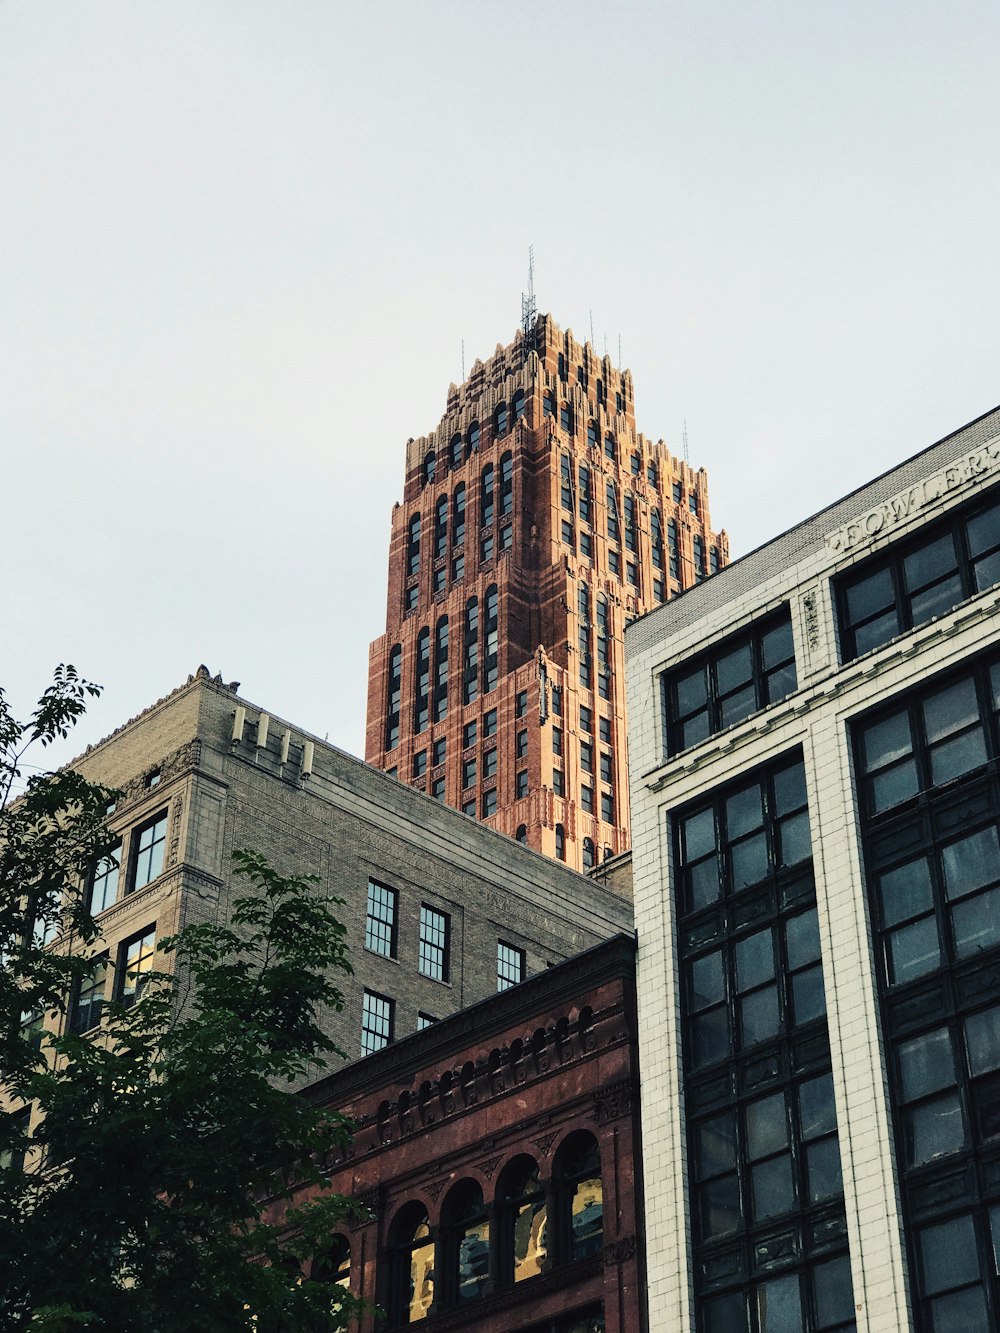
x,y
686,458
528,311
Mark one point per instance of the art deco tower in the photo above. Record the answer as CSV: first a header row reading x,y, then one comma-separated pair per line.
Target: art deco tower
x,y
535,522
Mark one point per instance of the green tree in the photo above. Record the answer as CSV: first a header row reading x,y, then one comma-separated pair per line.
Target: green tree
x,y
149,1192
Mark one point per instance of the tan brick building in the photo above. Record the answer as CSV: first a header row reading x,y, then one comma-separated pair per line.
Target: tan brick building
x,y
535,523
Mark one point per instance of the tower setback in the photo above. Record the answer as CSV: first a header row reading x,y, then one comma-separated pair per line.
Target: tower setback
x,y
536,522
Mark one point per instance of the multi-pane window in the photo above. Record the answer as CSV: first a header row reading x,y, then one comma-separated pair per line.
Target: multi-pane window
x,y
135,963
557,740
521,745
468,773
558,782
584,490
413,546
490,722
567,532
422,681
88,997
469,808
486,549
521,703
458,517
631,528
506,484
656,539
489,803
726,685
586,720
458,568
566,418
510,965
490,763
557,700
492,646
604,729
425,1021
587,756
441,670
603,647
437,789
441,526
566,483
455,451
104,880
411,598
915,581
486,496
615,563
672,550
610,447
585,636
419,763
148,844
607,772
521,784
380,919
586,546
434,943
693,503
470,652
762,1133
394,687
438,580
469,734
506,538
698,556
377,1017
614,527
587,799
608,807
440,750
928,771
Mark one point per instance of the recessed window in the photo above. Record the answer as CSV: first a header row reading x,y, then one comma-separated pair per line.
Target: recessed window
x,y
469,735
586,545
413,546
560,843
558,782
437,789
521,703
506,538
607,772
468,773
103,889
411,597
693,503
420,763
557,740
469,808
604,728
380,919
440,751
439,580
434,943
557,700
394,686
586,719
587,756
425,1021
522,834
148,844
615,563
135,963
486,549
608,807
490,722
441,670
458,568
153,779
490,763
521,745
377,1020
489,803
737,678
521,785
587,799
510,965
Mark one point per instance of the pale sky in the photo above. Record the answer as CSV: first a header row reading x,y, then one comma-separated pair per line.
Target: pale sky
x,y
241,245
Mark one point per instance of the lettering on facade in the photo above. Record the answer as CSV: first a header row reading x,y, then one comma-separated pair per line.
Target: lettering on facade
x,y
902,506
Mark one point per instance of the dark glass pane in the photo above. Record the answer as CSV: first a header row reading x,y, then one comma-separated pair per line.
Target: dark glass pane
x,y
823,1165
694,730
744,811
709,1038
929,563
754,960
735,707
779,1306
760,1018
771,1183
802,939
719,1206
749,861
790,789
961,1312
691,692
734,669
950,710
987,571
817,1114
971,863
926,1064
708,982
699,835
982,1040
976,924
767,1126
715,1145
995,1236
933,1129
948,1255
776,645
726,1314
913,951
808,995
983,531
703,883
876,632
906,891
796,842
886,741
834,1292
958,756
894,785
780,683
936,600
868,596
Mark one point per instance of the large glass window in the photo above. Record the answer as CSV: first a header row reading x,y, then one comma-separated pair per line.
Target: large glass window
x,y
522,1215
743,674
465,1243
380,919
411,1263
917,580
103,889
135,963
148,844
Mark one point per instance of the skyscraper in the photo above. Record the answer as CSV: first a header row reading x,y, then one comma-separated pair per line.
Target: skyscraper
x,y
535,523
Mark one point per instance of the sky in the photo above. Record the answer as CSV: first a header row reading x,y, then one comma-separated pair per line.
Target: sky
x,y
242,245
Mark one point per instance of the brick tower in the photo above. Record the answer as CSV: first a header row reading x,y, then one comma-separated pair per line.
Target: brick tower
x,y
535,522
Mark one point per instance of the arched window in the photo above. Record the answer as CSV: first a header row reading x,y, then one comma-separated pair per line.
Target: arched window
x,y
486,496
394,690
441,526
492,643
548,404
458,516
430,464
411,1266
560,843
422,681
592,435
500,421
518,405
441,670
610,447
465,1244
456,451
588,853
522,835
470,652
472,439
566,418
506,483
413,546
522,1221
579,1197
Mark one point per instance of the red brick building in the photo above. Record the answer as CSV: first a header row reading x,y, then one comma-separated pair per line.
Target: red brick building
x,y
536,521
498,1151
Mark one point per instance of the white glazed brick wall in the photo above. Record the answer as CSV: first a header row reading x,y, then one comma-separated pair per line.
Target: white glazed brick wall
x,y
816,718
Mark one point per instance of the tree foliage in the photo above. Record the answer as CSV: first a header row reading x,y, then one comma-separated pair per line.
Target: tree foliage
x,y
141,1197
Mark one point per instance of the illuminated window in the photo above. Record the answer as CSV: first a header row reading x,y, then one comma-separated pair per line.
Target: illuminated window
x,y
135,963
